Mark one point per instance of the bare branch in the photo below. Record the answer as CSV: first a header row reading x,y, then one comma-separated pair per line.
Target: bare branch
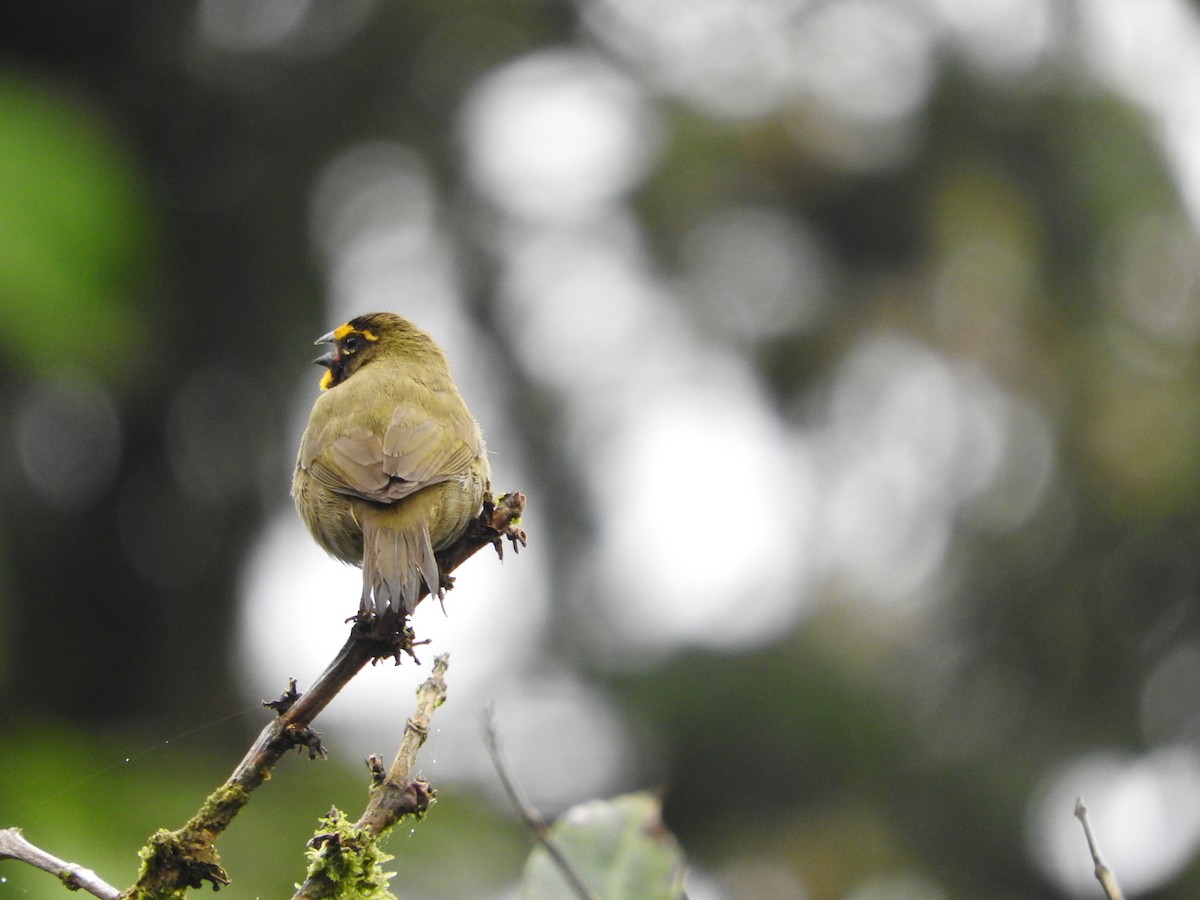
x,y
187,858
529,814
13,845
392,797
1104,875
173,860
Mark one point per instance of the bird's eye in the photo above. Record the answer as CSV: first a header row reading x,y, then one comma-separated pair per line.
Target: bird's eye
x,y
352,342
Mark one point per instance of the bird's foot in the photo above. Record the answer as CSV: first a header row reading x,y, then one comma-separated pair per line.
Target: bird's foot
x,y
389,634
504,518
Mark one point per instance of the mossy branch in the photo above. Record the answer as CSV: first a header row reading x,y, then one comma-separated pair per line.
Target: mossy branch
x,y
345,860
174,861
370,639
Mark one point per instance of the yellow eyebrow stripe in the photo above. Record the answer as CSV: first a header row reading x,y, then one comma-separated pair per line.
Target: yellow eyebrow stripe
x,y
343,331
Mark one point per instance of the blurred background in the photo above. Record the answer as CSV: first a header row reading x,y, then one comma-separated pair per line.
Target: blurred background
x,y
845,349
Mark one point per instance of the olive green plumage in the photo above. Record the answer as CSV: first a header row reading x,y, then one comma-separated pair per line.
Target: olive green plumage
x,y
392,465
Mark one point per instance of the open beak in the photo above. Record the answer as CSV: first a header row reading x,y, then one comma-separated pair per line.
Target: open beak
x,y
330,359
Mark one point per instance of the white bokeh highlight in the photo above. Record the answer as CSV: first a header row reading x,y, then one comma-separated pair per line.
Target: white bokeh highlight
x,y
293,27
556,135
1150,52
911,443
68,440
1145,811
714,527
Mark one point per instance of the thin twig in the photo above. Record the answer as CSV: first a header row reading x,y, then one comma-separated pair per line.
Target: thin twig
x,y
395,793
13,845
528,812
389,801
1104,875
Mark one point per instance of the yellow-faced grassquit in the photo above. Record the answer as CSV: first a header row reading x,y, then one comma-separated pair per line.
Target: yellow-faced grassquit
x,y
392,465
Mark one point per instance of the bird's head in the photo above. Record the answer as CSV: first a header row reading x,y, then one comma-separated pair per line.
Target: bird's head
x,y
368,338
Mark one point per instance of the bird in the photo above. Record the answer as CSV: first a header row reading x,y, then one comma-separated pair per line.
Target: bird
x,y
392,465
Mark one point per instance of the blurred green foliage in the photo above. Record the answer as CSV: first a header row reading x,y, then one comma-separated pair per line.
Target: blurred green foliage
x,y
78,794
75,224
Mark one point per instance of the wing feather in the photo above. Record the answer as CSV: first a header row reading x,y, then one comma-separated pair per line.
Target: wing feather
x,y
384,464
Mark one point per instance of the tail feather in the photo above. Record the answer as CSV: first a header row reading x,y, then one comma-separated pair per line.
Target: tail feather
x,y
397,563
